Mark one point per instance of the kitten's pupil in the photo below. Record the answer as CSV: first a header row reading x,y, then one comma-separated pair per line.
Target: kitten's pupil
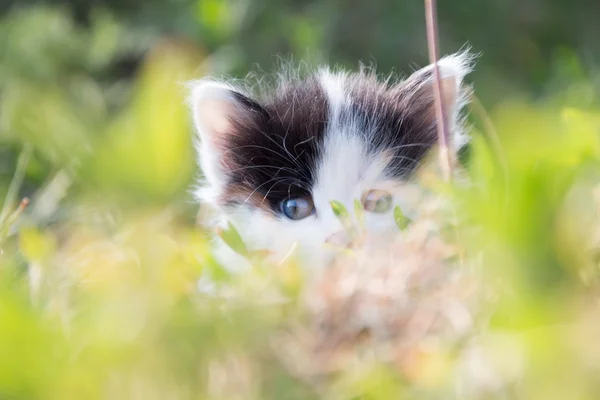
x,y
298,208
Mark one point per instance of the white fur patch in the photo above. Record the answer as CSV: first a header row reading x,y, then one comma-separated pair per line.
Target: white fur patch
x,y
333,86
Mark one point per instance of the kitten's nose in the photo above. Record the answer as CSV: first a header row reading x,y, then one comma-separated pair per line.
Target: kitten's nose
x,y
339,238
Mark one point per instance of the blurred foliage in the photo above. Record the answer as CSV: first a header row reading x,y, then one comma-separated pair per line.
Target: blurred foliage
x,y
525,45
98,274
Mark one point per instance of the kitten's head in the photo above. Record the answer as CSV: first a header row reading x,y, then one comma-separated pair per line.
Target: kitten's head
x,y
271,166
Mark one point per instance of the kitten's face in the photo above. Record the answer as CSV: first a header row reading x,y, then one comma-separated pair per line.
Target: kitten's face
x,y
272,167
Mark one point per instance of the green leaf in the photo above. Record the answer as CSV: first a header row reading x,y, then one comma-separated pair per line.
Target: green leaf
x,y
342,213
339,209
401,220
233,239
359,212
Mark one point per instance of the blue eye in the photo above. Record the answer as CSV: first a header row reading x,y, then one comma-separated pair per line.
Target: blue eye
x,y
298,208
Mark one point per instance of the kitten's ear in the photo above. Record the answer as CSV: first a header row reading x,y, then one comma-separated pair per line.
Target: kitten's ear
x,y
218,111
418,92
216,108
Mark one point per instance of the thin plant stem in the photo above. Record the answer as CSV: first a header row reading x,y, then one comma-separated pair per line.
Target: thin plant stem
x,y
442,129
15,184
490,133
493,141
7,216
10,221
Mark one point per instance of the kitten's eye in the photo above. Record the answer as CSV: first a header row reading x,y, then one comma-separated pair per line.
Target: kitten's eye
x,y
377,201
298,208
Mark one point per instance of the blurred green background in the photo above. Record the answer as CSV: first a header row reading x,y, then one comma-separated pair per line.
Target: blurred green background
x,y
98,273
78,79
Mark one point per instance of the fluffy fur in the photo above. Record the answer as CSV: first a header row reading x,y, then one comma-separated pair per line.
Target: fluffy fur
x,y
331,135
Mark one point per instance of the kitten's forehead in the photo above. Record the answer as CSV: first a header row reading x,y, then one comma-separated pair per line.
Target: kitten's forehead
x,y
334,86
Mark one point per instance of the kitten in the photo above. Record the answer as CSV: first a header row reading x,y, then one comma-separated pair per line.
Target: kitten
x,y
271,166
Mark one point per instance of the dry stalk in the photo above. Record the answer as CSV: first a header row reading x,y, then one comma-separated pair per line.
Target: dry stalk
x,y
446,163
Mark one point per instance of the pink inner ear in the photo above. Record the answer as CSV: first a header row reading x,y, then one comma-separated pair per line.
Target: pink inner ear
x,y
214,119
449,93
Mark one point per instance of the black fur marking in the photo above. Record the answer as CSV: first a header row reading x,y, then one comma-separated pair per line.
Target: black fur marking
x,y
274,148
402,116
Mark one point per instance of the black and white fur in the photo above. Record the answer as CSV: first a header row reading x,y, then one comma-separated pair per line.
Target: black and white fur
x,y
331,135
